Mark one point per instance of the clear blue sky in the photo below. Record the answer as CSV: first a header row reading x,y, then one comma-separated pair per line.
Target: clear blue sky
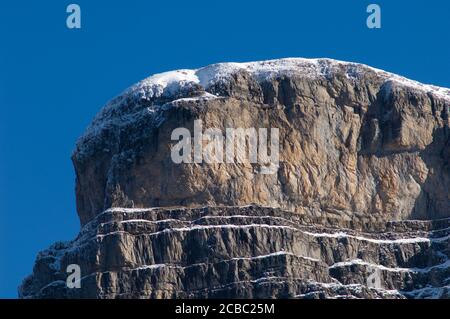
x,y
53,80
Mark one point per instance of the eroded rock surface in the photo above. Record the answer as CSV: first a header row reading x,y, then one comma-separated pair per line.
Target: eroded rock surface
x,y
246,252
358,208
353,140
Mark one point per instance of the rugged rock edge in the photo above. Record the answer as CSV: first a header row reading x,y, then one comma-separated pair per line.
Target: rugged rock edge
x,y
244,252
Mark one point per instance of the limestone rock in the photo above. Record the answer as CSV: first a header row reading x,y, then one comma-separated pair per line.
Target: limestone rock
x,y
245,252
352,140
358,206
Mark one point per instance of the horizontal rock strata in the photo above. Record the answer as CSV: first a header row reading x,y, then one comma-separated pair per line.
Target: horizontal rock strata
x,y
245,252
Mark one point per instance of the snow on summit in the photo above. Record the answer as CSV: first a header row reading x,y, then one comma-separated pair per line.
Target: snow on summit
x,y
193,84
168,82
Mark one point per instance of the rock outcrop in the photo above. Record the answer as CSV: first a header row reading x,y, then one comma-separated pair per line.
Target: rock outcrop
x,y
248,252
357,207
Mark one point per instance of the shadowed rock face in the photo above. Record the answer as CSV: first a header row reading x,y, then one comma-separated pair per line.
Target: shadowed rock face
x,y
246,252
362,152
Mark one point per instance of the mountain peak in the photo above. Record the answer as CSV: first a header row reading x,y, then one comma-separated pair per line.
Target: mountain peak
x,y
353,204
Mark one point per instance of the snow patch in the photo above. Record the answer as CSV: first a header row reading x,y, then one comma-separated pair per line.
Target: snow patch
x,y
444,265
413,240
166,83
428,292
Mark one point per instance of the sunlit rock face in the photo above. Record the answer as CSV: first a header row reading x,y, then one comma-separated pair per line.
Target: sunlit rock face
x,y
357,206
352,140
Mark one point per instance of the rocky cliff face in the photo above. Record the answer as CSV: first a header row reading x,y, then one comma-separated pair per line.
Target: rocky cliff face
x,y
357,205
247,252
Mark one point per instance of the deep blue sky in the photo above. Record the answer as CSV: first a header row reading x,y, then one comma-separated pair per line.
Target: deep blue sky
x,y
53,80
